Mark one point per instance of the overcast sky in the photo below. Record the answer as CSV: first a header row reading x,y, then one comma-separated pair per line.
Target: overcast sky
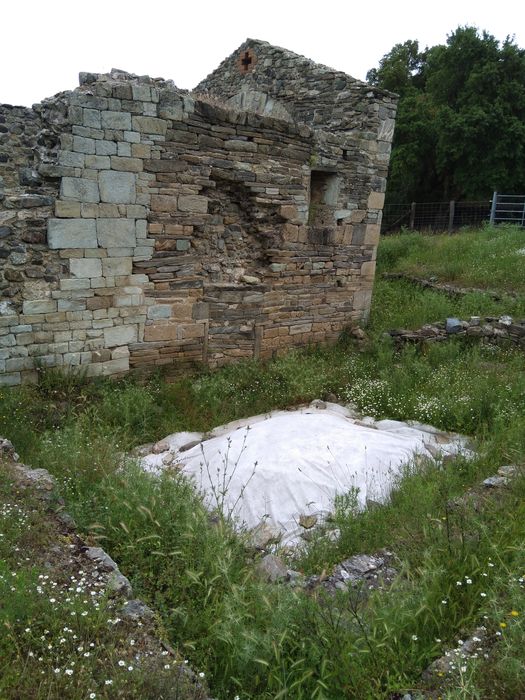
x,y
45,43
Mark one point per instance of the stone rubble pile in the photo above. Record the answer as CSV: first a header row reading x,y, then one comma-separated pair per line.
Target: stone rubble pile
x,y
489,328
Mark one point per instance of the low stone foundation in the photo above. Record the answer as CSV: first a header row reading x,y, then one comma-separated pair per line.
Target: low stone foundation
x,y
488,328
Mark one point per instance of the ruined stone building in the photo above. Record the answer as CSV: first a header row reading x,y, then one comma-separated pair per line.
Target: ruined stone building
x,y
143,226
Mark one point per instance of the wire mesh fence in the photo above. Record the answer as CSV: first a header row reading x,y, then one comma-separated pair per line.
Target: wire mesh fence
x,y
434,216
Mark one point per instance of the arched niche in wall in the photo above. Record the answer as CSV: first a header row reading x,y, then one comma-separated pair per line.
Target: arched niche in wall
x,y
260,102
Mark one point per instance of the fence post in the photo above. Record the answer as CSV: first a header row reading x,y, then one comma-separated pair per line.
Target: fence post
x,y
493,207
451,212
412,215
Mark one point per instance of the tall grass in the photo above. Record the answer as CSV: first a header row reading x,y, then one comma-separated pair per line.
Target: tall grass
x,y
490,257
258,641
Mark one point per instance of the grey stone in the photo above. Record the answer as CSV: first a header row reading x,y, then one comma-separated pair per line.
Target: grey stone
x,y
171,106
85,267
72,233
193,203
333,535
150,125
71,159
119,585
249,279
103,561
264,535
17,258
136,611
141,93
29,176
17,364
116,120
98,162
116,233
7,450
508,470
79,189
159,311
91,117
116,266
83,145
65,519
105,148
38,479
453,325
39,306
10,379
117,187
120,335
272,569
442,669
7,308
493,482
30,201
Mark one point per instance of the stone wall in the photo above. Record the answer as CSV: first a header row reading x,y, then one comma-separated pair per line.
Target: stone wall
x,y
142,226
273,80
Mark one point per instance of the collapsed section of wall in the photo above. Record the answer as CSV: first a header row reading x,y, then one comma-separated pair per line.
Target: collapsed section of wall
x,y
141,227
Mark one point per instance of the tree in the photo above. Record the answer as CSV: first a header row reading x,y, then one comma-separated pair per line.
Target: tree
x,y
460,131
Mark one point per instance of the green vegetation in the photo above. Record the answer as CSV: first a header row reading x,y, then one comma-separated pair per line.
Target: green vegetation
x,y
461,566
491,258
460,128
61,636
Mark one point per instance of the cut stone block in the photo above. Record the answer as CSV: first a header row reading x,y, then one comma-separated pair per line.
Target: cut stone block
x,y
83,145
39,306
79,189
105,148
67,210
133,165
150,125
116,233
86,267
159,311
71,159
71,233
116,120
120,335
10,379
376,200
112,267
117,187
194,203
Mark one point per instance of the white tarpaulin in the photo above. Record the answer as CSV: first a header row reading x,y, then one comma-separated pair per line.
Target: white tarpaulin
x,y
291,463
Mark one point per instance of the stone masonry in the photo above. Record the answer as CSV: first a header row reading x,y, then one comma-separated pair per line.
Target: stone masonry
x,y
144,226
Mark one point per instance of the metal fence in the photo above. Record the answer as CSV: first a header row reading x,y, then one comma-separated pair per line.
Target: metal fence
x,y
508,208
435,216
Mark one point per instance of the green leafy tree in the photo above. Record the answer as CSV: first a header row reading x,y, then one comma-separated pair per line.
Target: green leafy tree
x,y
460,130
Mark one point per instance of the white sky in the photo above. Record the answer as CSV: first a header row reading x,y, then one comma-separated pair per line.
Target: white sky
x,y
45,43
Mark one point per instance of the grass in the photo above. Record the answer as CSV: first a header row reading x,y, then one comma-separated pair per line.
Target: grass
x,y
461,567
61,636
488,258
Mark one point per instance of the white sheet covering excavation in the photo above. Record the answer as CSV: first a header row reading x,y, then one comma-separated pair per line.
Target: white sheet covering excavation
x,y
287,463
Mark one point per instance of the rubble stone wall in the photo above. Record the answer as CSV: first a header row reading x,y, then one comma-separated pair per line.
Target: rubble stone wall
x,y
141,226
272,80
